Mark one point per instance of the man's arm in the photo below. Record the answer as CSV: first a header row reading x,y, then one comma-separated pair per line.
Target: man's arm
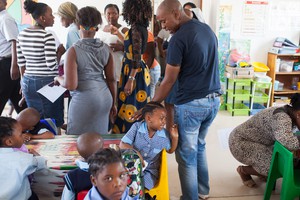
x,y
166,85
14,69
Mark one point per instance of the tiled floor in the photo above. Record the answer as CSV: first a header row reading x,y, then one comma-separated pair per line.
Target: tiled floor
x,y
225,183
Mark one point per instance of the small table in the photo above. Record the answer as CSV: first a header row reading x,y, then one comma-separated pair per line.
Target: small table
x,y
60,154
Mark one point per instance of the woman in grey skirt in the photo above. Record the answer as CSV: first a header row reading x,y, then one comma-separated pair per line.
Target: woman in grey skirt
x,y
89,75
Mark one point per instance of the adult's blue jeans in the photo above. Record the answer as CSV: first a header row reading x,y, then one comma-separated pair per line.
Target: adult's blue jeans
x,y
193,119
30,85
154,74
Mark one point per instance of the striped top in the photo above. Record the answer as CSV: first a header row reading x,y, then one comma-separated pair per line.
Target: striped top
x,y
36,52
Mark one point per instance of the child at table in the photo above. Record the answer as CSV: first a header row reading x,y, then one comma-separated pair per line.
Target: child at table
x,y
79,179
108,175
33,127
149,138
15,166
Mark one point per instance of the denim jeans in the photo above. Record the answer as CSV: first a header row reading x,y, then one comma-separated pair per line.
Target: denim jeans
x,y
154,74
193,119
30,85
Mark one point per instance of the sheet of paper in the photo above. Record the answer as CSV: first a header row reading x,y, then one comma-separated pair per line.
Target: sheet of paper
x,y
51,91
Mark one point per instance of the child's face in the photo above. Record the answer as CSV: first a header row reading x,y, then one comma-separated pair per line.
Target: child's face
x,y
16,140
112,181
157,120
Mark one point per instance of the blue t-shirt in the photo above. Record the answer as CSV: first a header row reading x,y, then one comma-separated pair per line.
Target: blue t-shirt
x,y
194,48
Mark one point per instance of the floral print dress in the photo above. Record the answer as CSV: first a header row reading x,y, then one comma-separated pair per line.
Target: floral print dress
x,y
127,105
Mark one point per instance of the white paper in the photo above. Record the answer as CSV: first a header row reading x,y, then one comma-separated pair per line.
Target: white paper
x,y
52,92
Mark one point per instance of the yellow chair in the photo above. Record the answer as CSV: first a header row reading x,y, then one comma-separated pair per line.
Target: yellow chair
x,y
161,189
282,166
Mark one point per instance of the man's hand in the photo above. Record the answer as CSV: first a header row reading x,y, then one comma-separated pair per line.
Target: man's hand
x,y
137,115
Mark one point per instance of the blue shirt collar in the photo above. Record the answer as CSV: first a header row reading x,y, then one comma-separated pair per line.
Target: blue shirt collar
x,y
143,129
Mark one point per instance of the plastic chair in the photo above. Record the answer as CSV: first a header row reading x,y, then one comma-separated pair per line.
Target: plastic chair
x,y
282,166
161,189
82,194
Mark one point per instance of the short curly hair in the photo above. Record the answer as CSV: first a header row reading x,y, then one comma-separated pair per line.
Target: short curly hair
x,y
88,17
137,11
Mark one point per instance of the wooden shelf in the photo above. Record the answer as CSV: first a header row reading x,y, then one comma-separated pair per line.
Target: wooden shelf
x,y
283,77
286,91
288,73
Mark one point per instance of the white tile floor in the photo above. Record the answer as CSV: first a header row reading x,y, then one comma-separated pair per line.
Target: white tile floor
x,y
225,183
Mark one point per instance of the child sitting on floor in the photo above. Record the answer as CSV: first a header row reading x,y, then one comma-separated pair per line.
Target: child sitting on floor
x,y
15,166
33,127
149,138
108,175
79,179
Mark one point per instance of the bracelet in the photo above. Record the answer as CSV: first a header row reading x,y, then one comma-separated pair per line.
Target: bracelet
x,y
131,78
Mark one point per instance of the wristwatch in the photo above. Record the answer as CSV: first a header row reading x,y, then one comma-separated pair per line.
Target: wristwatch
x,y
131,78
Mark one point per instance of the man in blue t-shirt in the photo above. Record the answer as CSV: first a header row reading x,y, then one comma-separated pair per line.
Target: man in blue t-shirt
x,y
192,58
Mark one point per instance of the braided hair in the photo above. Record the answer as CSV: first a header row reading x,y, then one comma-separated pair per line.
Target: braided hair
x,y
88,17
7,126
101,158
150,107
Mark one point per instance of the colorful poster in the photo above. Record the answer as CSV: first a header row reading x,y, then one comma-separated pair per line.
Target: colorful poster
x,y
15,9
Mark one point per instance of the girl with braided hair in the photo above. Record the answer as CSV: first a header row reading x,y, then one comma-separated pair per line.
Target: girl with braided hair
x,y
133,88
149,138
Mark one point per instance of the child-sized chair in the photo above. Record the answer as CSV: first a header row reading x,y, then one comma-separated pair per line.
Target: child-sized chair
x,y
161,189
282,166
82,194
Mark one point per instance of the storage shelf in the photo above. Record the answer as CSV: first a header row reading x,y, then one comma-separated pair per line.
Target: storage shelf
x,y
283,77
286,91
288,73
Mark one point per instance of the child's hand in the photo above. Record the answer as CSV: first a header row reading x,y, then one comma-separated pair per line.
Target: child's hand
x,y
26,137
174,132
32,151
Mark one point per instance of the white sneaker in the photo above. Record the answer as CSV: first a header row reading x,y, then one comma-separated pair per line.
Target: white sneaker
x,y
202,196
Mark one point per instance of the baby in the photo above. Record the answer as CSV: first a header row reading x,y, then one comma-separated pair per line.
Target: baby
x,y
15,166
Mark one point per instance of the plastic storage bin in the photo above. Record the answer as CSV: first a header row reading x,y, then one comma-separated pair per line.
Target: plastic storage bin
x,y
239,109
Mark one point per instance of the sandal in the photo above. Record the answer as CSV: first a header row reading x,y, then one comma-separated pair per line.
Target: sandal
x,y
246,178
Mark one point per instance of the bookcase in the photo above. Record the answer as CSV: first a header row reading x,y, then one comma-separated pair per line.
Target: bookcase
x,y
283,77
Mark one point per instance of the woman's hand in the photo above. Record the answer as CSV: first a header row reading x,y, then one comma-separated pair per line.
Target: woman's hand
x,y
113,114
128,87
56,80
114,30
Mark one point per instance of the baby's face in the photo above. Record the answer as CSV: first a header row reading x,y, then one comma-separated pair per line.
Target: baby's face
x,y
112,181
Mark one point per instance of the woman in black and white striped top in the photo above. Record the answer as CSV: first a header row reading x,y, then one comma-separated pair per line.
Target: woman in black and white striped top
x,y
37,60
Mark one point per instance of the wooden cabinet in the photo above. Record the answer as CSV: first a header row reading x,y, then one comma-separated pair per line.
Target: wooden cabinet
x,y
284,77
